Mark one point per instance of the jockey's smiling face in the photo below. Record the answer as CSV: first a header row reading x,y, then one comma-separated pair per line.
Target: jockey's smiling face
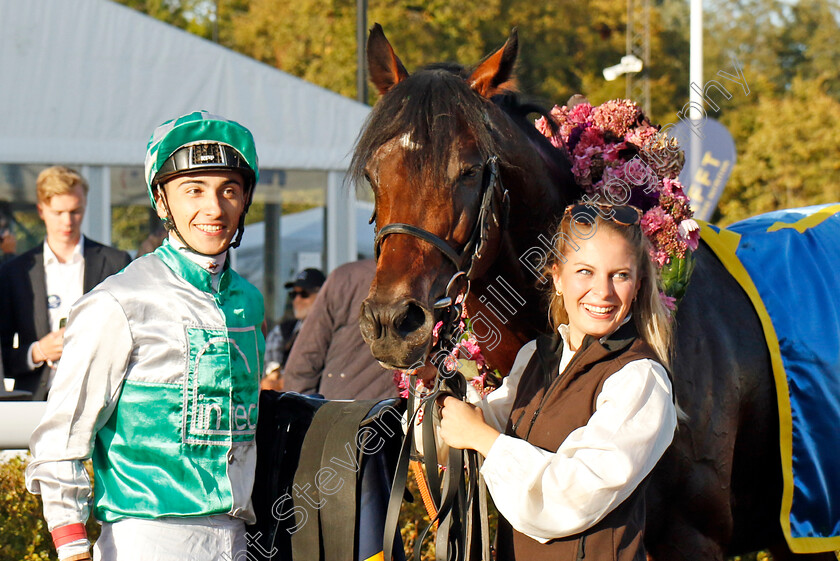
x,y
206,207
599,282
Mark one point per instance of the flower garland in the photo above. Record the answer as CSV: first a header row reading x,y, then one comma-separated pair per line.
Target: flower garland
x,y
465,357
619,157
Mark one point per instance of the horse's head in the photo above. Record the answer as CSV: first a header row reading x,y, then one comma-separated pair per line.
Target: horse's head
x,y
437,150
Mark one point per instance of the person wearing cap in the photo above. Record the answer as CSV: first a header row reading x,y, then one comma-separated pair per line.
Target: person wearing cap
x,y
303,290
330,357
158,382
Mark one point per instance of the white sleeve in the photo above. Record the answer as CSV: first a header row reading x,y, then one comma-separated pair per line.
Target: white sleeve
x,y
550,495
498,403
97,348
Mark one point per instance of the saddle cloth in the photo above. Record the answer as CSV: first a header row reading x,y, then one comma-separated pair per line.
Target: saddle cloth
x,y
788,262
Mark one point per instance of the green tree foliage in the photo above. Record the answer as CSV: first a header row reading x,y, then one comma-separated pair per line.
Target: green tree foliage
x,y
787,152
785,130
776,41
565,45
24,530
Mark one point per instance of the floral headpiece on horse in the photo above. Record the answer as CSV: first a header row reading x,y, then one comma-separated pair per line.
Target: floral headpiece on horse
x,y
619,157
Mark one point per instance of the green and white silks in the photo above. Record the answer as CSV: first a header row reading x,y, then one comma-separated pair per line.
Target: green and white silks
x,y
159,384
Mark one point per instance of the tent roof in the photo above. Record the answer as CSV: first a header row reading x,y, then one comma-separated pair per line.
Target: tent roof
x,y
86,82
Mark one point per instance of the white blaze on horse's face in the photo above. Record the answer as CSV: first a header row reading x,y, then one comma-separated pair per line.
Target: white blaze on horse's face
x,y
408,143
598,283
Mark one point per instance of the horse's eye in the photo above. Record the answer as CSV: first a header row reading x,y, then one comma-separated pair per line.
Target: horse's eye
x,y
471,171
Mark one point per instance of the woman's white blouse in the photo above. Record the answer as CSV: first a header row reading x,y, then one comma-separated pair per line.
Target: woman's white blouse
x,y
548,495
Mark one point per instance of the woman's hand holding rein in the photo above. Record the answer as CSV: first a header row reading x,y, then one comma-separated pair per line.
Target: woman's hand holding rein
x,y
462,426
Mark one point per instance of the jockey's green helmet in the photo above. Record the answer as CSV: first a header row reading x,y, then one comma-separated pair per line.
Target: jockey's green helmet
x,y
201,141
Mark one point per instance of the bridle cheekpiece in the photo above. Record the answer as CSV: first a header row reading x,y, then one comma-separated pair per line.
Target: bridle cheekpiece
x,y
491,213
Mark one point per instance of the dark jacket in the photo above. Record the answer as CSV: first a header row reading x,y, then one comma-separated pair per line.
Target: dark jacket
x,y
547,408
23,301
329,355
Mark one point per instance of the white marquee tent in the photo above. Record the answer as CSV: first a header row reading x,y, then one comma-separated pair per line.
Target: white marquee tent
x,y
84,83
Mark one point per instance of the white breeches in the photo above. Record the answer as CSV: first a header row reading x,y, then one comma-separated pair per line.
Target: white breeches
x,y
206,538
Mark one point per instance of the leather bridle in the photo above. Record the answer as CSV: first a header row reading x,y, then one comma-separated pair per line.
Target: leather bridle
x,y
490,213
460,501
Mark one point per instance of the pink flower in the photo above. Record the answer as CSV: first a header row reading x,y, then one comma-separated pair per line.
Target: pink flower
x,y
450,363
560,113
402,381
690,232
557,139
591,140
436,332
673,188
580,114
640,136
581,167
611,152
638,174
616,116
668,301
610,148
542,126
471,346
654,220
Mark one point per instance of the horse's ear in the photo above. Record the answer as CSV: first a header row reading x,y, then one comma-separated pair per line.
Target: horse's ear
x,y
386,69
495,73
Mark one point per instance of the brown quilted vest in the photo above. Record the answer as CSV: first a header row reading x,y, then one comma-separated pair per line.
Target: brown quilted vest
x,y
546,410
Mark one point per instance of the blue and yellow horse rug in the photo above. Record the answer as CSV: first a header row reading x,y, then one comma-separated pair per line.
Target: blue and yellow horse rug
x,y
788,262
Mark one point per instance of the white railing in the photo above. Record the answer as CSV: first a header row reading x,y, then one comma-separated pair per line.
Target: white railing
x,y
18,420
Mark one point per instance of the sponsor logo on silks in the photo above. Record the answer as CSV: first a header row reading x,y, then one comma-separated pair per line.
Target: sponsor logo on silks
x,y
220,389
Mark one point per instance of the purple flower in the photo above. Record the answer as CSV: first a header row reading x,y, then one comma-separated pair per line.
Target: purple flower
x,y
668,301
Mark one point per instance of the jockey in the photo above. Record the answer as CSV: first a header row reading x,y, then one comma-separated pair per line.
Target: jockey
x,y
159,379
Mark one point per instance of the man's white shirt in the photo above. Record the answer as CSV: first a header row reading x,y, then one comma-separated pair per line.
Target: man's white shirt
x,y
65,285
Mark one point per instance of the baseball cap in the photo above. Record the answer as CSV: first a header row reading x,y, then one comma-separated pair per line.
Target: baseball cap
x,y
309,279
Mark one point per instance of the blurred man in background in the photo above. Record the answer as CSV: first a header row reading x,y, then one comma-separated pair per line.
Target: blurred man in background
x,y
330,357
303,289
41,285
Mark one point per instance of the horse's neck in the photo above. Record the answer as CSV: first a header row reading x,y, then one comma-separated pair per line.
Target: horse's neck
x,y
509,295
508,303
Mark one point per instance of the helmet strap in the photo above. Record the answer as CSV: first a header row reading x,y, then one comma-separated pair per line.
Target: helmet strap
x,y
241,229
169,222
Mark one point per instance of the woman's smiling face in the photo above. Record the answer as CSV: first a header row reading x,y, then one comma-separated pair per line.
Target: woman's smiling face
x,y
599,282
206,207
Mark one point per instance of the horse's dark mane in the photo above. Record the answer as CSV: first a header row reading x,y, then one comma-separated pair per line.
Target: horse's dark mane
x,y
433,106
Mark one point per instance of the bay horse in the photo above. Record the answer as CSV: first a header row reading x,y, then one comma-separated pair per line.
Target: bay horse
x,y
428,147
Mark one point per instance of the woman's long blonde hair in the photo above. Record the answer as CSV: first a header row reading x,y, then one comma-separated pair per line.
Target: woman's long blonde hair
x,y
652,319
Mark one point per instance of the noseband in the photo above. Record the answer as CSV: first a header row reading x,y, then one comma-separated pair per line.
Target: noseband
x,y
465,260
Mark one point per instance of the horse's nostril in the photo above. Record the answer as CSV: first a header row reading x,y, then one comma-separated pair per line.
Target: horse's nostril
x,y
413,319
369,322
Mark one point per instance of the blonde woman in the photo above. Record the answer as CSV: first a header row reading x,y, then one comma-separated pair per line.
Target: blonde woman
x,y
585,413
